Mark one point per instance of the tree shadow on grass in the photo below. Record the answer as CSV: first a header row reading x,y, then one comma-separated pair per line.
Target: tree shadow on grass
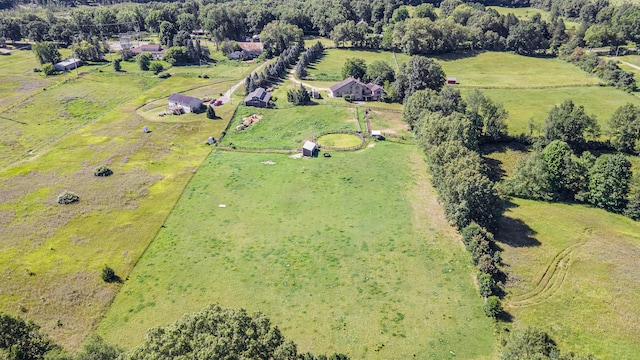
x,y
494,169
515,233
458,55
505,317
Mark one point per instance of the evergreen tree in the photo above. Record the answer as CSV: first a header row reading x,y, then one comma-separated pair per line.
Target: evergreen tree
x,y
211,113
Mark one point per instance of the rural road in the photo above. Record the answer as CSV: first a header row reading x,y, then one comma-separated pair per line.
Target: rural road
x,y
227,95
629,64
298,82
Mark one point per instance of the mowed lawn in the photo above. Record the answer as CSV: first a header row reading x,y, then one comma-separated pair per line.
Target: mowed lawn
x,y
507,70
288,128
575,274
347,254
328,70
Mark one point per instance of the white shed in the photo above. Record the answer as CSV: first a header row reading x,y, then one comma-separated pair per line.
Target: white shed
x,y
309,149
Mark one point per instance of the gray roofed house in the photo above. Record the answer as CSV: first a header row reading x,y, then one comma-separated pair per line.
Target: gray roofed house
x,y
258,98
355,87
68,64
186,103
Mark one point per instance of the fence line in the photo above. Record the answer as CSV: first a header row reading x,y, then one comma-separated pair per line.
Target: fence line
x,y
256,150
363,141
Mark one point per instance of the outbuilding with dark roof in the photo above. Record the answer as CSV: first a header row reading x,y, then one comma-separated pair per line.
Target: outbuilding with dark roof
x,y
258,98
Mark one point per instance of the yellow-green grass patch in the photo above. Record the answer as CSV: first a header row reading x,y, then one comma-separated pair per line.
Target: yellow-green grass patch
x,y
349,254
30,127
574,273
339,140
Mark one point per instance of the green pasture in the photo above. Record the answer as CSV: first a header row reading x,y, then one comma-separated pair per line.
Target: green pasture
x,y
345,254
52,255
573,272
524,105
287,128
507,70
311,40
328,70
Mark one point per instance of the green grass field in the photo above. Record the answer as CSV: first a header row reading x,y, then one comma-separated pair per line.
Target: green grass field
x,y
507,70
52,255
574,273
371,276
288,128
328,70
526,104
528,93
339,140
527,13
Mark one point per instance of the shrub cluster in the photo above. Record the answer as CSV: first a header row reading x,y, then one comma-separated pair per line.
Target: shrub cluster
x,y
68,197
308,57
102,171
554,173
273,72
608,71
108,275
298,96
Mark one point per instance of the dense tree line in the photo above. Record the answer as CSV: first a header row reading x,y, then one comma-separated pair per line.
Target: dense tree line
x,y
450,130
310,56
275,71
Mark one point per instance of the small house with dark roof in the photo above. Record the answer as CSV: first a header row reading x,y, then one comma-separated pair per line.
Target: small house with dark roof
x,y
258,98
184,103
359,90
67,65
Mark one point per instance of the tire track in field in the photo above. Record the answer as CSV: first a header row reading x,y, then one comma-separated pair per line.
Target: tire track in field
x,y
552,278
